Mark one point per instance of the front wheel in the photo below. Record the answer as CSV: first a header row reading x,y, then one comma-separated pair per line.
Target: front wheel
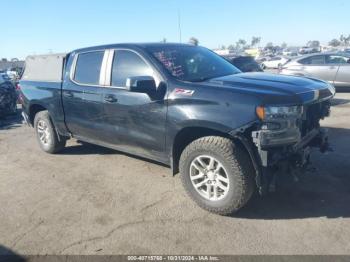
x,y
47,136
217,174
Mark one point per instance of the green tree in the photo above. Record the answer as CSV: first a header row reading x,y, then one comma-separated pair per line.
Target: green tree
x,y
345,40
269,45
193,41
255,41
231,47
334,42
241,44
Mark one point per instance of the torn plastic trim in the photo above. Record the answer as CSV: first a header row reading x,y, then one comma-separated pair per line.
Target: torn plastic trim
x,y
238,134
243,128
267,138
255,160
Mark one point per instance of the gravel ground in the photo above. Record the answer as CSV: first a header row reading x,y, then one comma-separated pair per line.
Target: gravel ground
x,y
92,200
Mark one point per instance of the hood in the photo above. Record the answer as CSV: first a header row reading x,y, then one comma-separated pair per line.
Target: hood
x,y
275,89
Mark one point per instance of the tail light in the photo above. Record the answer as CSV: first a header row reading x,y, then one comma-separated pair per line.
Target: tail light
x,y
19,94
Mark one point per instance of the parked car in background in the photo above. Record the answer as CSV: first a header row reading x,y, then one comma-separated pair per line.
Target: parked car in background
x,y
331,67
274,62
8,96
308,50
227,132
289,52
13,74
263,58
245,63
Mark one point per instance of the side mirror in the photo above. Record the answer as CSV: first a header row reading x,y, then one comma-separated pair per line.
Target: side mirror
x,y
141,84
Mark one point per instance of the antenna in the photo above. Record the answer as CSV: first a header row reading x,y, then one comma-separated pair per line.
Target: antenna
x,y
179,22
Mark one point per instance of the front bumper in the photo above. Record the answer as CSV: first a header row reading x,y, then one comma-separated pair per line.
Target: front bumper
x,y
274,146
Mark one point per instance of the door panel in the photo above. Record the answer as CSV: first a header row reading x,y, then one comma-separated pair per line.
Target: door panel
x,y
73,102
324,72
84,112
343,76
82,96
316,66
135,123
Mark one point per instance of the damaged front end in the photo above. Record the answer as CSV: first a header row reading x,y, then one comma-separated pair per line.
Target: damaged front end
x,y
284,137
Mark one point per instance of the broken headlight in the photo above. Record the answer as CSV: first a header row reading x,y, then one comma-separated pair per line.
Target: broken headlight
x,y
267,113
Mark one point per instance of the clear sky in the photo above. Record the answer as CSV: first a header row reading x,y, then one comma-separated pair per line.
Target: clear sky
x,y
33,27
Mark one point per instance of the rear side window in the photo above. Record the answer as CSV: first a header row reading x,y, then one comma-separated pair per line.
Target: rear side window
x,y
128,64
336,59
88,67
313,60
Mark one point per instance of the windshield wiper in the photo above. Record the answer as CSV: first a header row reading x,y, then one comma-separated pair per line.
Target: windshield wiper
x,y
202,79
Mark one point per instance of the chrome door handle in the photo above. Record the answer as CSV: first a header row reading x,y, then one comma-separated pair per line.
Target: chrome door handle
x,y
110,99
68,94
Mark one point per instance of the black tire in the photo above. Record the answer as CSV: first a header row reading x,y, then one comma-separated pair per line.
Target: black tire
x,y
263,66
239,169
55,143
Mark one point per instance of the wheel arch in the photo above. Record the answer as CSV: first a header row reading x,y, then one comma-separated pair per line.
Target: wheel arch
x,y
188,134
33,110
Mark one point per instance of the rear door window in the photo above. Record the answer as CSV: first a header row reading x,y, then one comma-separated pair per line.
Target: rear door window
x,y
88,68
336,59
128,64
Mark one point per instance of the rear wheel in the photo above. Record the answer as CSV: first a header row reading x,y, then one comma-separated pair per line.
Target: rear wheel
x,y
217,174
47,136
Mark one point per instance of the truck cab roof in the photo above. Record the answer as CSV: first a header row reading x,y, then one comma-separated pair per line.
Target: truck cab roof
x,y
129,45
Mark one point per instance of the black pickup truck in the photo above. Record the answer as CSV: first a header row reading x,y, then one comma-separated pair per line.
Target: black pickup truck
x,y
228,133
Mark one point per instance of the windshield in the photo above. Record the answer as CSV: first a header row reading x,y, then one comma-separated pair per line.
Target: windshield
x,y
192,63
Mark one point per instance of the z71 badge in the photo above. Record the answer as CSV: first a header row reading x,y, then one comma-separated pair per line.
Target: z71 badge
x,y
186,92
